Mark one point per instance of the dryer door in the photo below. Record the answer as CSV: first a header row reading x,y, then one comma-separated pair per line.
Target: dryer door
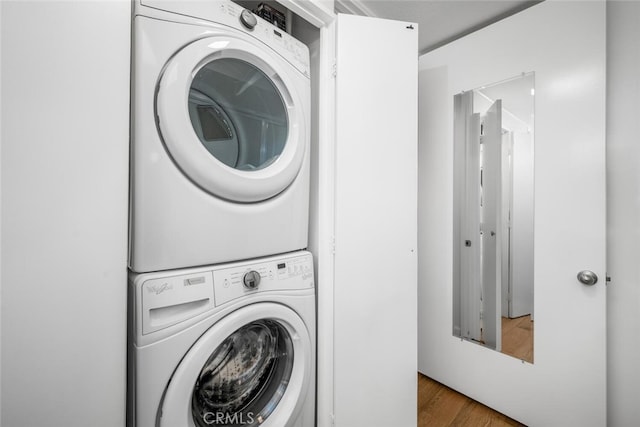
x,y
251,368
232,116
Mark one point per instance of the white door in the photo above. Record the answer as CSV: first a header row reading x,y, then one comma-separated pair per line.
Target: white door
x,y
491,224
563,43
478,212
375,223
231,114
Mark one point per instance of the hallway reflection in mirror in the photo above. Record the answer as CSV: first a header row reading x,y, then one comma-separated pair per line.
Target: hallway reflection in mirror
x,y
493,216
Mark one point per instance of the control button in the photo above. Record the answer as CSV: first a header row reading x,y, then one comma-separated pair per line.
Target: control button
x,y
251,280
248,19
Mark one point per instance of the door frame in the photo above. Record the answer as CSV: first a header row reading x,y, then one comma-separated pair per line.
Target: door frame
x,y
321,15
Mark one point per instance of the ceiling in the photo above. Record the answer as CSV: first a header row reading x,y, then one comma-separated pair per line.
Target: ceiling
x,y
440,21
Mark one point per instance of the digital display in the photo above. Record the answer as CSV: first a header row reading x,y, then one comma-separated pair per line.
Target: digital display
x,y
281,265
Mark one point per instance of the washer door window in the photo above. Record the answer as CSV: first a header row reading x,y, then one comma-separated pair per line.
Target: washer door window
x,y
251,368
232,119
245,377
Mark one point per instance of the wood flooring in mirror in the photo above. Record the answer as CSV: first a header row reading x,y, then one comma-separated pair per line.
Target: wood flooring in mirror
x,y
517,337
440,406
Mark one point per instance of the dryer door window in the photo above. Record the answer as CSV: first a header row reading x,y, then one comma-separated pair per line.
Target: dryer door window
x,y
244,379
238,114
233,115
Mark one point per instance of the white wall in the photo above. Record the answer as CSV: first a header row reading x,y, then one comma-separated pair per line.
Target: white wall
x,y
64,175
623,215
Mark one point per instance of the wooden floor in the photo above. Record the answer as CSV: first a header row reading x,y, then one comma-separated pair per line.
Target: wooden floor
x,y
517,337
440,406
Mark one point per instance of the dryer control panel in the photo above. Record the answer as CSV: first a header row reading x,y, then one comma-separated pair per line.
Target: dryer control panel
x,y
233,15
276,274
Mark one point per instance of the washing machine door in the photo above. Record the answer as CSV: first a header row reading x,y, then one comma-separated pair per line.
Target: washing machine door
x,y
231,115
250,368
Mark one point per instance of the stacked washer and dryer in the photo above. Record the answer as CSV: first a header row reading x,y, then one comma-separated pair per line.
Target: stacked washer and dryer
x,y
221,291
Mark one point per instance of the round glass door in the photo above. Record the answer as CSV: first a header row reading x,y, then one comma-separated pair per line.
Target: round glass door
x,y
244,379
252,367
238,114
233,116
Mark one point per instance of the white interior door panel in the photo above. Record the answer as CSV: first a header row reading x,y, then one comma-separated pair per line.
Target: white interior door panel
x,y
563,43
375,223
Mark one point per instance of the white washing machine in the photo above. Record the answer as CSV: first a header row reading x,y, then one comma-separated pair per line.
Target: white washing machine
x,y
227,345
220,136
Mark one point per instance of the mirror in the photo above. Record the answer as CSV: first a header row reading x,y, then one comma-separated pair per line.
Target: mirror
x,y
493,216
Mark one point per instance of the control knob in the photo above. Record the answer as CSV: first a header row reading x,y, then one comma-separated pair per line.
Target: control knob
x,y
251,279
248,19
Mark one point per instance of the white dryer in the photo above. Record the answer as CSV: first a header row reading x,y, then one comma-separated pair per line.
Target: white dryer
x,y
220,136
227,345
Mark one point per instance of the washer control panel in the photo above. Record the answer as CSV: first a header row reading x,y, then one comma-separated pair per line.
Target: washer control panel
x,y
165,299
278,274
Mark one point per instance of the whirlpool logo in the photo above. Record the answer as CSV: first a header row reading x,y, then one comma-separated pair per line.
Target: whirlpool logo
x,y
159,288
224,418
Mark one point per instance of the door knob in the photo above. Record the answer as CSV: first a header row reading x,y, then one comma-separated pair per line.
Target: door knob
x,y
587,277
